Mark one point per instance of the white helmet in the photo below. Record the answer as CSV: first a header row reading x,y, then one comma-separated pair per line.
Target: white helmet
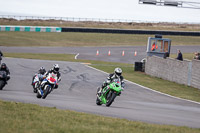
x,y
118,71
56,67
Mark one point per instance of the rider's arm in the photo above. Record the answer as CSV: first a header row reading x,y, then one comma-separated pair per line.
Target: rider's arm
x,y
59,77
109,78
122,82
47,73
7,71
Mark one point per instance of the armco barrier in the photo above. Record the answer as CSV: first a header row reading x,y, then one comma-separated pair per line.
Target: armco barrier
x,y
119,31
30,28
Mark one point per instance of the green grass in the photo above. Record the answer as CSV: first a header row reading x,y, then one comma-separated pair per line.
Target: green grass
x,y
30,118
61,57
31,39
158,84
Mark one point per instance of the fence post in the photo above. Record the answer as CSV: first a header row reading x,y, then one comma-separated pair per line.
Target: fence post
x,y
189,73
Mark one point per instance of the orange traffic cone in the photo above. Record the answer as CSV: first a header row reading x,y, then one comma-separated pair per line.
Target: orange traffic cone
x,y
135,53
97,52
109,53
123,53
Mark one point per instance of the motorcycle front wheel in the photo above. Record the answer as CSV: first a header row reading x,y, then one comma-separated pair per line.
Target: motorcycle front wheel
x,y
98,101
38,95
35,87
46,91
111,98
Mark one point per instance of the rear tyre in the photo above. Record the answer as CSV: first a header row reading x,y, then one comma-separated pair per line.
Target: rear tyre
x,y
110,99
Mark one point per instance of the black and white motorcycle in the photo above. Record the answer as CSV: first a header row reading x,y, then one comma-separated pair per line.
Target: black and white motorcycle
x,y
36,81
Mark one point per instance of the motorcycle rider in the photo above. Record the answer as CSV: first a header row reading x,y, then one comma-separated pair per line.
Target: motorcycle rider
x,y
116,75
5,68
54,70
41,71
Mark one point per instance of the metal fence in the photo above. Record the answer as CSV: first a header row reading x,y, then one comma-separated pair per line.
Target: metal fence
x,y
73,19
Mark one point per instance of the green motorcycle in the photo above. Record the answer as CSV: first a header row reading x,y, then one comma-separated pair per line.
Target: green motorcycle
x,y
109,93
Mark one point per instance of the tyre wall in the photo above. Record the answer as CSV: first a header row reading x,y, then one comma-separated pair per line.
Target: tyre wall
x,y
30,28
119,31
93,30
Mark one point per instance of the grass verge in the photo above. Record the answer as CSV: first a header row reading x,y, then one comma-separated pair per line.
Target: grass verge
x,y
30,39
158,84
29,118
188,56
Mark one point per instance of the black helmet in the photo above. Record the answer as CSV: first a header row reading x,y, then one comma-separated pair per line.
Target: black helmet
x,y
42,70
56,67
118,71
3,66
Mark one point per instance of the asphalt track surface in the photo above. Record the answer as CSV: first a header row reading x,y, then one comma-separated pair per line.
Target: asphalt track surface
x,y
89,53
77,91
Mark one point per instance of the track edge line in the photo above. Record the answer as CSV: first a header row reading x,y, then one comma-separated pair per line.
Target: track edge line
x,y
149,88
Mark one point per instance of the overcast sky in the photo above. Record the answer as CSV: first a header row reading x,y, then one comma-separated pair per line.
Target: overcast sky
x,y
104,9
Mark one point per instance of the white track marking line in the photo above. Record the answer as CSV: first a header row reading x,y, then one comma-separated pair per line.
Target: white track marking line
x,y
76,56
149,88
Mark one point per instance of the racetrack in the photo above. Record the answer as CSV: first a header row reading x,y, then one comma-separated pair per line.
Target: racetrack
x,y
89,53
78,88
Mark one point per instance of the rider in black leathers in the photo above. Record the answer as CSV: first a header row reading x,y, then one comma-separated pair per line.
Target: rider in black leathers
x,y
5,68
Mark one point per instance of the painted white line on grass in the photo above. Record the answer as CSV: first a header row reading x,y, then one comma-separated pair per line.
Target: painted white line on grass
x,y
149,88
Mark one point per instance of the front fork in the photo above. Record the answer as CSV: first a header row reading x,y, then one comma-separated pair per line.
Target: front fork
x,y
40,90
103,92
